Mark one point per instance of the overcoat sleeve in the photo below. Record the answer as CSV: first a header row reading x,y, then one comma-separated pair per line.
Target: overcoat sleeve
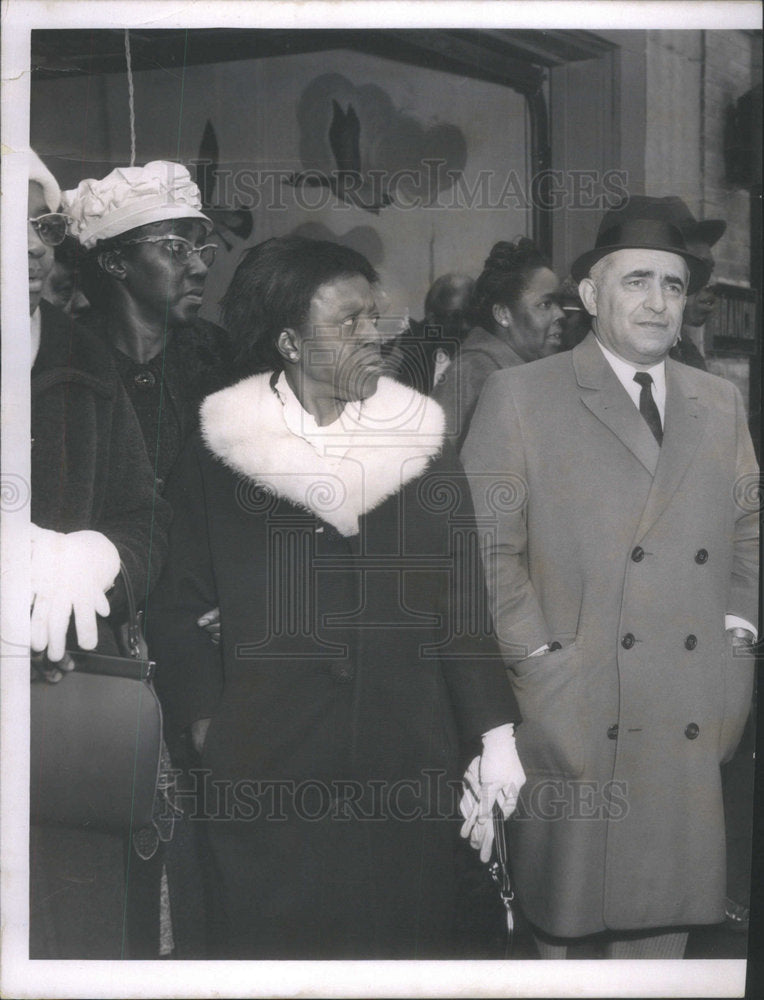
x,y
744,600
479,689
189,665
494,460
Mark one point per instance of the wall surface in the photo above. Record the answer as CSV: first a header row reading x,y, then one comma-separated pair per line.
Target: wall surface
x,y
692,78
728,75
272,117
653,109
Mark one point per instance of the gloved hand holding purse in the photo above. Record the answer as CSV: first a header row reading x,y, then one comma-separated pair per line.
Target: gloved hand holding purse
x,y
496,776
70,575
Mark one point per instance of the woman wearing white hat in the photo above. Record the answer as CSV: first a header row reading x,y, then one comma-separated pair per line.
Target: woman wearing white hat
x,y
145,259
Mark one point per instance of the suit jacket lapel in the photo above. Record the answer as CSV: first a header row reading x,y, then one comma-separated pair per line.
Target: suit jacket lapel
x,y
684,426
606,398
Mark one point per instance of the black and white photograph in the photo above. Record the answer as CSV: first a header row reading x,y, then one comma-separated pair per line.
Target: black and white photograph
x,y
381,427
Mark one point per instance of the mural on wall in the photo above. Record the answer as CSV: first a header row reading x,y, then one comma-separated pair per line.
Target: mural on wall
x,y
362,239
232,224
356,142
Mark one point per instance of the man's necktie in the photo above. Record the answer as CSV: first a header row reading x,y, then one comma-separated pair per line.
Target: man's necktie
x,y
647,406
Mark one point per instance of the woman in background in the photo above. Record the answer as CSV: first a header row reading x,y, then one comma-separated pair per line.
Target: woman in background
x,y
519,319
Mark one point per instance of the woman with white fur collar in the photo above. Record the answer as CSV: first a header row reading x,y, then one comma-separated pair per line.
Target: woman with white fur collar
x,y
356,672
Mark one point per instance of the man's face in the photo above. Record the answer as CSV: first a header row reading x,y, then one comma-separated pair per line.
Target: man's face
x,y
700,306
39,255
62,290
636,302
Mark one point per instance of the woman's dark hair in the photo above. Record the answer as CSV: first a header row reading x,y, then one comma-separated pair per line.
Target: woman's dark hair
x,y
504,277
272,289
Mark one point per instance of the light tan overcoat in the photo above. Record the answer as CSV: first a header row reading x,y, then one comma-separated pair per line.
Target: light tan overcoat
x,y
629,555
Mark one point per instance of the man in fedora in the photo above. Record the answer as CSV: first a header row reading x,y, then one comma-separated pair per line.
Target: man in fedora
x,y
618,493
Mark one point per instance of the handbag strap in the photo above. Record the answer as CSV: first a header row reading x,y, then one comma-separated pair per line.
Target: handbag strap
x,y
133,625
499,870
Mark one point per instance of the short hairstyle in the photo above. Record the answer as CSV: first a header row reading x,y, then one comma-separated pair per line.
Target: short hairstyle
x,y
440,297
505,276
600,267
272,289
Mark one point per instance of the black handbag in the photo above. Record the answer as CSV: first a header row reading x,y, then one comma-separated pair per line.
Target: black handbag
x,y
96,738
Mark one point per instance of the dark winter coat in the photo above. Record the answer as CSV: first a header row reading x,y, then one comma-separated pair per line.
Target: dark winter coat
x,y
167,390
90,470
357,668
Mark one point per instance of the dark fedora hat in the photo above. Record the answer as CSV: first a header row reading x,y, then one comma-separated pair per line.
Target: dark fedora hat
x,y
641,224
694,231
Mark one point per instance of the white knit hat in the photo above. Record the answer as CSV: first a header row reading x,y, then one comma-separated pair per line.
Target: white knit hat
x,y
39,174
129,197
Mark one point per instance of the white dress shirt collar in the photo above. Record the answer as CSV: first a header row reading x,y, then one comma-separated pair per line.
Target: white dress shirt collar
x,y
624,372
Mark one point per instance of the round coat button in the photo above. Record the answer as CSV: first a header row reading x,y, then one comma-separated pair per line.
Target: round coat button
x,y
628,641
638,554
612,731
692,731
145,380
701,556
342,673
691,642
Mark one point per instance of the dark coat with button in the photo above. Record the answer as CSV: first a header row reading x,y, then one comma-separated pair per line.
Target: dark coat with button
x,y
89,465
89,471
357,672
167,390
628,555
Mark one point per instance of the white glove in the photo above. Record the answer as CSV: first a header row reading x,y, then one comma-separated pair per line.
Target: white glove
x,y
70,574
495,777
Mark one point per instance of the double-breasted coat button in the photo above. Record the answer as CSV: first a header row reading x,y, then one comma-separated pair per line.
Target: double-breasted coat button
x,y
342,673
701,556
692,731
144,380
612,731
638,554
691,642
628,641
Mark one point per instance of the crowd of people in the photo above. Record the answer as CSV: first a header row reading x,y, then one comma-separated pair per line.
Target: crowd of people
x,y
496,573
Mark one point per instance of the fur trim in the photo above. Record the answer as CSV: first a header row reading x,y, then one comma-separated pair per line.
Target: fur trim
x,y
397,435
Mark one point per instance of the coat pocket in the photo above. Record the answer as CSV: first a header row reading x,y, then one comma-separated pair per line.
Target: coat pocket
x,y
547,689
737,679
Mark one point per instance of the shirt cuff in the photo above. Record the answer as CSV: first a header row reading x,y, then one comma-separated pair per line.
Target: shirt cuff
x,y
733,621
